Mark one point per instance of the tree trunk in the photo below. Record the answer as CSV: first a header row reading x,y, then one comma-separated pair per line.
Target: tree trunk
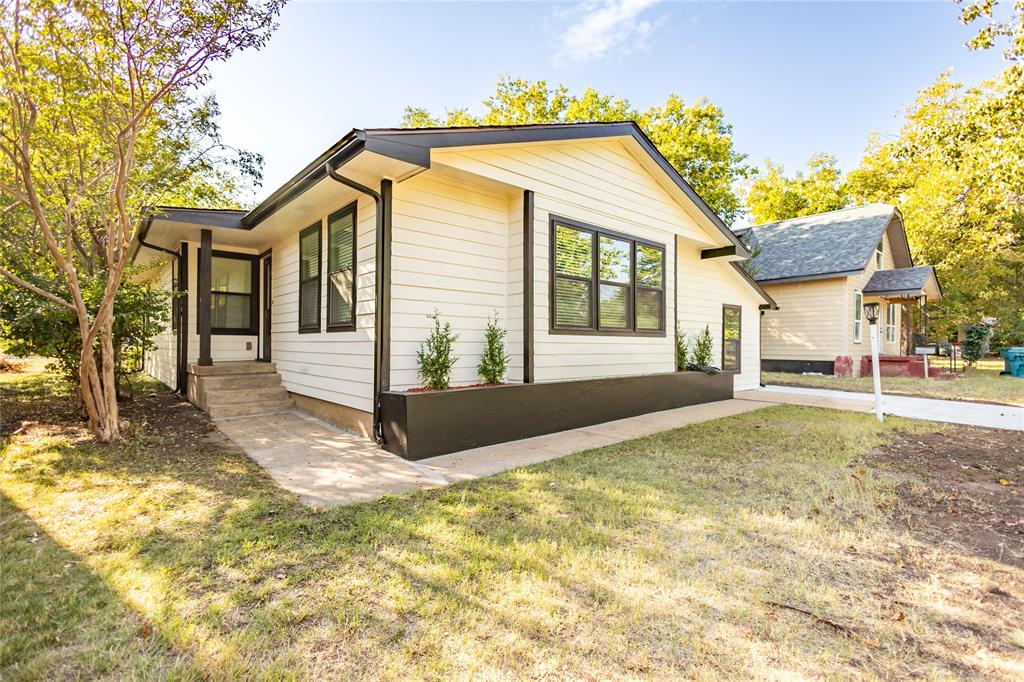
x,y
99,389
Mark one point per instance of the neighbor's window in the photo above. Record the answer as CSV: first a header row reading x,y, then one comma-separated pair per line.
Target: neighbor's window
x,y
341,259
232,306
890,323
858,315
603,282
879,252
309,279
731,318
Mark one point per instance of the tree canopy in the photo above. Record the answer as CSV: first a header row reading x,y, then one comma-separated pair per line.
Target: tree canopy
x,y
99,117
773,196
695,138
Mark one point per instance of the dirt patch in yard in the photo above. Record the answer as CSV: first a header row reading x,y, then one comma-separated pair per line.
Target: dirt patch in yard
x,y
962,489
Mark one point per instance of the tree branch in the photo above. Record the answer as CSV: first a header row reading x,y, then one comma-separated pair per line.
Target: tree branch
x,y
36,290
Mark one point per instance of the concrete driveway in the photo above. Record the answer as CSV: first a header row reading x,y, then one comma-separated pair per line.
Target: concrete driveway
x,y
950,411
328,466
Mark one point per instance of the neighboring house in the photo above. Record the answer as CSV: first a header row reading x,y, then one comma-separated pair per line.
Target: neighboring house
x,y
333,276
821,269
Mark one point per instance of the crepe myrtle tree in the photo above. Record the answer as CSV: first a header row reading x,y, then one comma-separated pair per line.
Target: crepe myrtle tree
x,y
92,88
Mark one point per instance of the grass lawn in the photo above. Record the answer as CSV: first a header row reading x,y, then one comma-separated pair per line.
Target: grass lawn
x,y
764,545
979,384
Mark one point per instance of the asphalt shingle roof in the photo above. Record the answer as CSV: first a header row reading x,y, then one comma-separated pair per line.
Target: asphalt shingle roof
x,y
816,245
899,280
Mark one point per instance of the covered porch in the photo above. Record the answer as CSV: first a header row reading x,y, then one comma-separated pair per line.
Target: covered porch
x,y
909,289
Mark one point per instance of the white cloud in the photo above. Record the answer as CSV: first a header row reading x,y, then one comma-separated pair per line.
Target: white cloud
x,y
600,27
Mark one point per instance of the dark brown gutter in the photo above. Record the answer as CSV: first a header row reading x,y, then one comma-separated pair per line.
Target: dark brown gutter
x,y
382,290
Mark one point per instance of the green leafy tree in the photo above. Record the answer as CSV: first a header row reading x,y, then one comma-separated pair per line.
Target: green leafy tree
x,y
435,357
702,348
98,118
695,138
773,196
1011,26
956,170
31,325
494,361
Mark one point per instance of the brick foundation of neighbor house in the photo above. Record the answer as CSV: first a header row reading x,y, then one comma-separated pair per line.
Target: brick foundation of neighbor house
x,y
902,366
843,366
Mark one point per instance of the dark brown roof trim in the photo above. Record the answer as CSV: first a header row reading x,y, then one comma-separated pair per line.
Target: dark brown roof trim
x,y
772,305
213,217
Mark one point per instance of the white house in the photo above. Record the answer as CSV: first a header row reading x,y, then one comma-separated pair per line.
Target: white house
x,y
331,278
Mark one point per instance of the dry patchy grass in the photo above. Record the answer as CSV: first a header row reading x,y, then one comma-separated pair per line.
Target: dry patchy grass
x,y
174,556
981,383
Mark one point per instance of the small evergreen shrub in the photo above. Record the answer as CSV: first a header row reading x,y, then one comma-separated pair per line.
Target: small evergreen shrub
x,y
435,357
494,361
702,348
975,343
682,351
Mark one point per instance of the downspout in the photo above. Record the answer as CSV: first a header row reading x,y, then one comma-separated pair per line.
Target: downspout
x,y
382,291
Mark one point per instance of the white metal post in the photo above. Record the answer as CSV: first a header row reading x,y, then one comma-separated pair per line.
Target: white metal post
x,y
875,371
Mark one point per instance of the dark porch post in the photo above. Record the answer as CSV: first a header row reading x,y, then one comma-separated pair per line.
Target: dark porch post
x,y
203,298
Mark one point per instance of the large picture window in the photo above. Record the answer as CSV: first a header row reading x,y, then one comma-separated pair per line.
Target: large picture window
x,y
232,285
731,336
603,282
341,259
309,279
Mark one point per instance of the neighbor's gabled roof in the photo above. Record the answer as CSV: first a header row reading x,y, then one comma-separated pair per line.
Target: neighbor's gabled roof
x,y
816,246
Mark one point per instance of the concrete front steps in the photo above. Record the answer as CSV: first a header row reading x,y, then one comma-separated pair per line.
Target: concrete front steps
x,y
237,389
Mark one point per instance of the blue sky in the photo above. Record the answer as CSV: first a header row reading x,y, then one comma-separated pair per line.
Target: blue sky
x,y
793,78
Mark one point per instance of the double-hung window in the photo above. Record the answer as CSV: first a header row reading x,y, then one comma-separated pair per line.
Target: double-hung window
x,y
731,335
341,259
232,285
858,315
890,323
603,282
309,278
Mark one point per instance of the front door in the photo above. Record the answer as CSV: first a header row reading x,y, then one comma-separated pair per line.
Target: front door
x,y
265,310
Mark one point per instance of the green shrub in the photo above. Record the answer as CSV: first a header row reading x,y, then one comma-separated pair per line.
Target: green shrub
x,y
435,357
702,348
682,351
976,343
494,361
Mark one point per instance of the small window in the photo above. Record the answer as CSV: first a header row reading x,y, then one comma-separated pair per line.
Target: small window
x,y
232,283
879,252
858,315
890,323
341,259
604,282
309,279
731,334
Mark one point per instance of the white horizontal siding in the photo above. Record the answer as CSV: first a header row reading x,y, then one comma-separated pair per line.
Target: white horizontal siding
x,y
161,361
809,323
332,366
450,254
705,285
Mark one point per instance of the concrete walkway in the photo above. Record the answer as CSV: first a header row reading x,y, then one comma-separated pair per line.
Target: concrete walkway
x,y
327,466
950,411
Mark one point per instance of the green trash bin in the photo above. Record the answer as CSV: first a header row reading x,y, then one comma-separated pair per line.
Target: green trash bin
x,y
1013,361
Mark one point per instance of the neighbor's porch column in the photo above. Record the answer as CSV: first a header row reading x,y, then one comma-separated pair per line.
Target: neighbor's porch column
x,y
203,297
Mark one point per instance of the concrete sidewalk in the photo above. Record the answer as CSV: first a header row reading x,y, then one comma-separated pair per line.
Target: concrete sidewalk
x,y
949,411
327,466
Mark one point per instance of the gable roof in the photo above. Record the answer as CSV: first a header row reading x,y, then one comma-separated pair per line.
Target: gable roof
x,y
817,246
908,282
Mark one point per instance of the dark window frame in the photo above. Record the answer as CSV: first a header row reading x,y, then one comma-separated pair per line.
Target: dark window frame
x,y
595,329
312,328
175,296
253,328
739,341
349,327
